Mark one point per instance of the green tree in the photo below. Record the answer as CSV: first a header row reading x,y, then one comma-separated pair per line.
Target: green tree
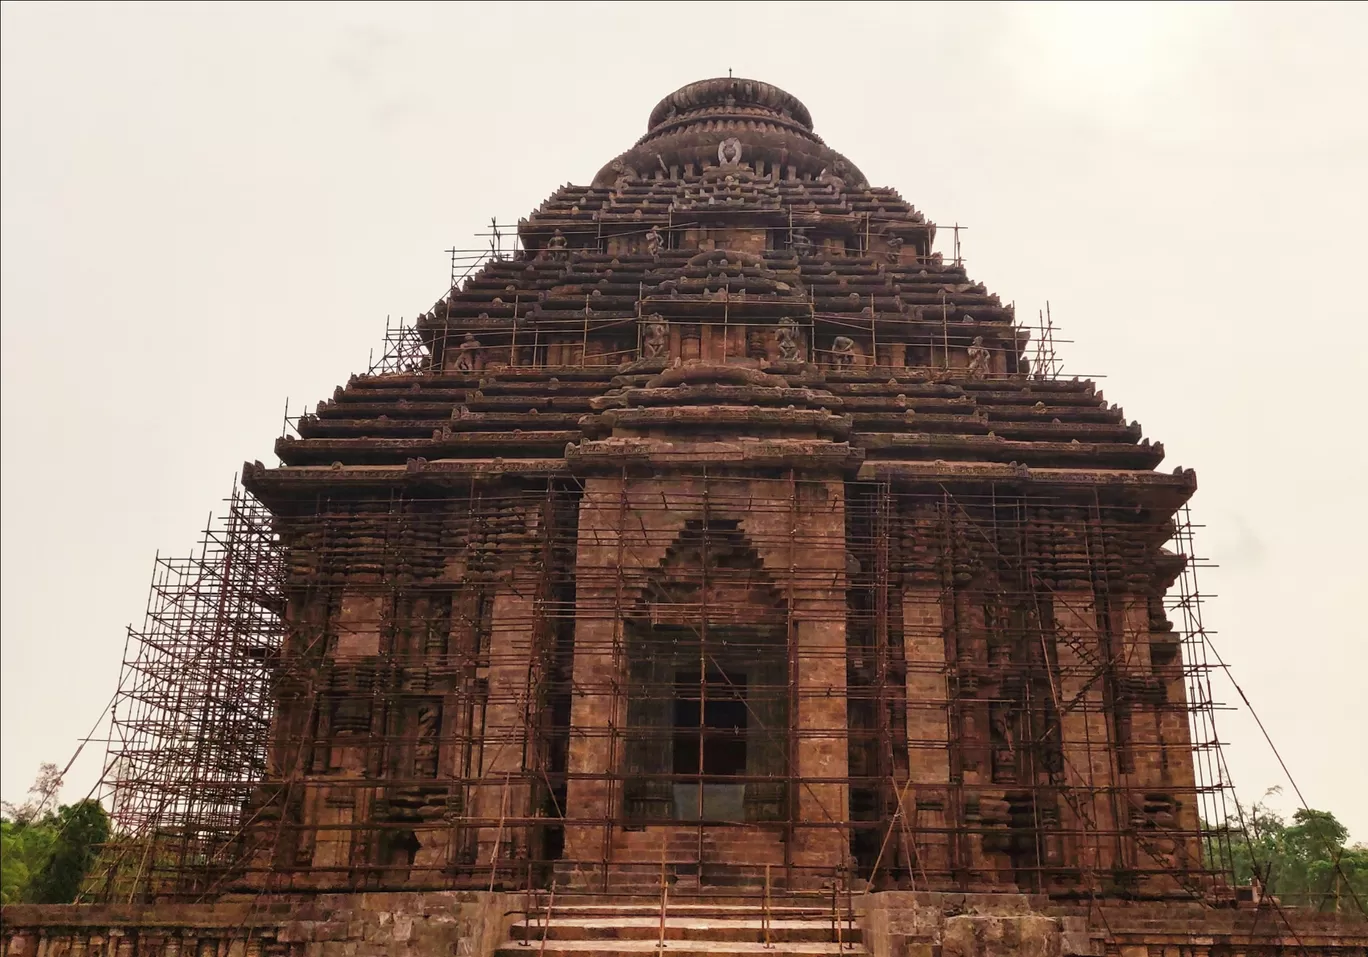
x,y
82,829
46,854
27,835
24,850
1304,863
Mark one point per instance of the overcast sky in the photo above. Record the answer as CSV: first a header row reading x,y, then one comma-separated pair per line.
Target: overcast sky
x,y
208,209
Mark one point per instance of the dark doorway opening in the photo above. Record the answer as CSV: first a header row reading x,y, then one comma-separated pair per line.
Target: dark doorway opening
x,y
710,722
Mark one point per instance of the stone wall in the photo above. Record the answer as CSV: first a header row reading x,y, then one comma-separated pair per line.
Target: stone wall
x,y
908,924
450,924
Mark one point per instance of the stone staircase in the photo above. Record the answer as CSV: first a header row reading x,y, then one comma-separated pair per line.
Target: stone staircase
x,y
694,927
730,857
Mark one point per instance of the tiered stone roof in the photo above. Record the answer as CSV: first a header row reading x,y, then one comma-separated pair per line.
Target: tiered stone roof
x,y
728,218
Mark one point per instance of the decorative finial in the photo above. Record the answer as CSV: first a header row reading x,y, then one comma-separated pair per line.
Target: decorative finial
x,y
729,72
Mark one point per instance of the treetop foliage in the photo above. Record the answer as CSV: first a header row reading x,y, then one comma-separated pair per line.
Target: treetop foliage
x,y
1304,862
47,851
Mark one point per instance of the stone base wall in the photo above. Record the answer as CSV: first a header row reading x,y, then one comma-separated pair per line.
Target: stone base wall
x,y
475,924
908,924
449,924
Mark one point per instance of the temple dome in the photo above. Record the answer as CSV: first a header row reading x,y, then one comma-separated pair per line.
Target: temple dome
x,y
689,126
732,97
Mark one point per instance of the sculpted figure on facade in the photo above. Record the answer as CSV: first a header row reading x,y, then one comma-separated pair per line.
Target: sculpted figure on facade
x,y
895,245
625,175
843,352
802,246
790,348
729,151
980,359
655,241
558,247
655,338
425,750
1004,744
834,176
467,354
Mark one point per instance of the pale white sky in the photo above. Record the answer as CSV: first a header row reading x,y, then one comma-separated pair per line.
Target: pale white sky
x,y
209,208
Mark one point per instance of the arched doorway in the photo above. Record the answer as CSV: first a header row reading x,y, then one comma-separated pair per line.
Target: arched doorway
x,y
708,697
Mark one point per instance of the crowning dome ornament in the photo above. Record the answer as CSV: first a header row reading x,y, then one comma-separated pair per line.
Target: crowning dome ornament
x,y
729,152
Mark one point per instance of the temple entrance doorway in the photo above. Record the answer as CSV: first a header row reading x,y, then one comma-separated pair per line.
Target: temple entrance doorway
x,y
710,724
706,744
708,701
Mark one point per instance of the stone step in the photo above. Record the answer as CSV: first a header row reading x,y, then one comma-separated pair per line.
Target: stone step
x,y
578,948
733,902
696,928
727,900
726,908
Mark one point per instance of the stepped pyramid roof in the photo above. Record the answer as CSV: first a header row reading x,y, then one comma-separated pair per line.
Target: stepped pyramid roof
x,y
727,219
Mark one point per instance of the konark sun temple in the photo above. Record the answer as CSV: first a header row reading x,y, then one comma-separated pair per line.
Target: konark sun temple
x,y
721,571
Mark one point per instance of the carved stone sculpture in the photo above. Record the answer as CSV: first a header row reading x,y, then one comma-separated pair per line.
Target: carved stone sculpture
x,y
654,241
467,354
729,151
801,244
425,750
1004,744
979,359
843,352
834,176
625,175
895,245
655,338
557,247
790,350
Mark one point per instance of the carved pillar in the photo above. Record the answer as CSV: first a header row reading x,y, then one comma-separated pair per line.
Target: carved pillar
x,y
928,738
504,792
596,708
1087,816
346,729
818,630
1161,795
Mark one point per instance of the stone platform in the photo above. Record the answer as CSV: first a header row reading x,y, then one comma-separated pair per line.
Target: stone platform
x,y
478,924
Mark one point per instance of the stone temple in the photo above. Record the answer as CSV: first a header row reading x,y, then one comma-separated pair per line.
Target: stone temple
x,y
724,565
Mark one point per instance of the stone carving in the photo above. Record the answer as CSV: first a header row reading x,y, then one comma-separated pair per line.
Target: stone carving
x,y
801,244
655,338
834,176
558,247
843,352
351,715
625,174
729,151
790,349
655,241
895,245
467,354
1004,745
425,750
979,359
